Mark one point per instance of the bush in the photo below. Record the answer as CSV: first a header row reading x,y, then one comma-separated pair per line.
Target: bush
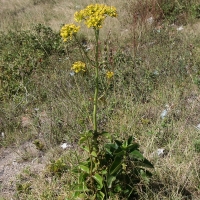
x,y
23,54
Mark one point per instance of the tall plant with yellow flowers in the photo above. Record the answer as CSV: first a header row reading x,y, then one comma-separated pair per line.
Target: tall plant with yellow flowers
x,y
114,168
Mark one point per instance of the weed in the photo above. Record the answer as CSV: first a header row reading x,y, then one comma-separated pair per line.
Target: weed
x,y
57,168
101,175
197,146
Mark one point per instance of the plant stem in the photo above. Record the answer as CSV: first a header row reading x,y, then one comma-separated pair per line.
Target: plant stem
x,y
96,90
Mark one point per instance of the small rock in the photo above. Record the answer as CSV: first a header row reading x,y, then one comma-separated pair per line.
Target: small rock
x,y
71,73
150,20
65,145
198,126
165,111
2,134
180,28
160,152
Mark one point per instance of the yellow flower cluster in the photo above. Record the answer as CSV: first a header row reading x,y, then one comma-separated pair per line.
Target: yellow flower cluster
x,y
68,30
95,14
78,66
109,74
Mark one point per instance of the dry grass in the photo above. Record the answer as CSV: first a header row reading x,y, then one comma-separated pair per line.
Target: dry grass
x,y
126,109
23,14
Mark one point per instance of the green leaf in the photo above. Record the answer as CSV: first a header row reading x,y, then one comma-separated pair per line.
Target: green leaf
x,y
82,139
82,177
118,188
104,172
76,170
110,148
86,148
120,153
125,144
144,176
110,180
85,136
99,180
130,140
136,155
84,168
94,154
106,135
100,195
119,143
133,147
79,195
146,163
81,188
116,166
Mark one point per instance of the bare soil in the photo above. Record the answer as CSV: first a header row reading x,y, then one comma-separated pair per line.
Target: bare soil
x,y
13,161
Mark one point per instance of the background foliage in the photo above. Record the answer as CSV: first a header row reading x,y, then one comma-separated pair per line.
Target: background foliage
x,y
154,64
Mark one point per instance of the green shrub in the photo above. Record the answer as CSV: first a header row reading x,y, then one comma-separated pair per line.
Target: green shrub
x,y
23,54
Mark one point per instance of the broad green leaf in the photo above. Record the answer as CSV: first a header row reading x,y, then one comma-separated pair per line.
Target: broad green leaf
x,y
76,194
104,172
110,180
82,176
86,148
133,147
76,170
84,168
146,163
82,139
99,180
130,140
120,153
136,155
108,151
100,195
94,154
85,136
119,143
79,196
116,166
118,188
81,188
89,133
110,148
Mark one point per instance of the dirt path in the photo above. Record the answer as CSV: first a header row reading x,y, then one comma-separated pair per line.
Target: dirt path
x,y
13,161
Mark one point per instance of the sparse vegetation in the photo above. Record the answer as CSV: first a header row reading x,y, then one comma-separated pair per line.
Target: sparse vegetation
x,y
150,103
